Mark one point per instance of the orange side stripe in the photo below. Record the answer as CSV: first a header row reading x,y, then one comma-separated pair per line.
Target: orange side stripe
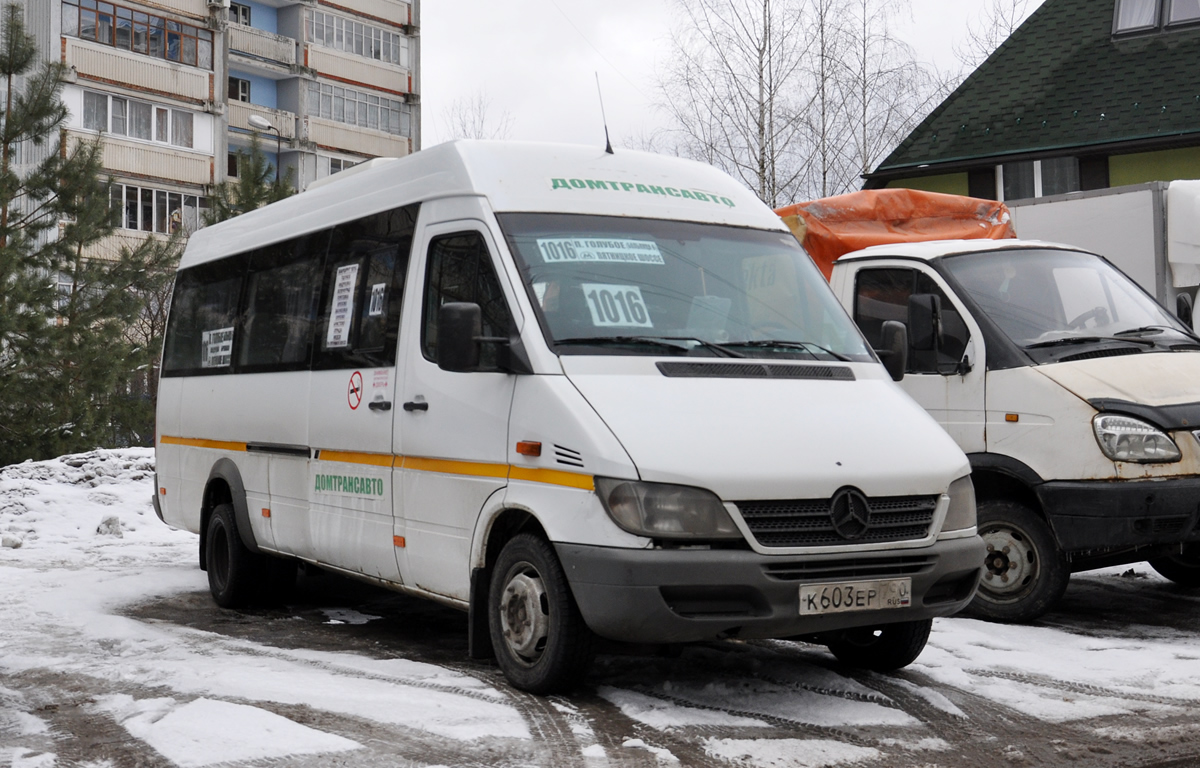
x,y
552,477
448,467
220,445
349,457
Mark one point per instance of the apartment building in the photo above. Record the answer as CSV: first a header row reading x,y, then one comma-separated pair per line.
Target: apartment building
x,y
174,88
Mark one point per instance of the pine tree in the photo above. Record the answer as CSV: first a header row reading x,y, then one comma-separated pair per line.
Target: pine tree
x,y
67,365
257,185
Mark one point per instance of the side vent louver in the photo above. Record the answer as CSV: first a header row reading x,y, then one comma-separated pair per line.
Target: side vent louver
x,y
567,456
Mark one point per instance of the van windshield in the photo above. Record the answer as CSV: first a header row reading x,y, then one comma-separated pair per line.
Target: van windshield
x,y
1044,297
615,285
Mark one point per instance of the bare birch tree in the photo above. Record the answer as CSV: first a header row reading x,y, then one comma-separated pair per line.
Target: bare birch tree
x,y
472,117
990,28
798,98
886,90
734,91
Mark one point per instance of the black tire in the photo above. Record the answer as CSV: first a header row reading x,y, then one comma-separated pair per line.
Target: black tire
x,y
1024,572
884,648
540,639
234,571
1183,568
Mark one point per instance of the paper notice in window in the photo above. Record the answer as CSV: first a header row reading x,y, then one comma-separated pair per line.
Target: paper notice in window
x,y
556,250
341,313
216,348
378,291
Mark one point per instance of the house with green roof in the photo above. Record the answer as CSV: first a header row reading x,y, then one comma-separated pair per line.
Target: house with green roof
x,y
1086,94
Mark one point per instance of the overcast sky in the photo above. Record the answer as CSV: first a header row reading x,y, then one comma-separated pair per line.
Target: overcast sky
x,y
538,60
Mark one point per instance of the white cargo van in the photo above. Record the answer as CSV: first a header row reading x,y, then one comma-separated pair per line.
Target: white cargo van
x,y
1074,394
573,393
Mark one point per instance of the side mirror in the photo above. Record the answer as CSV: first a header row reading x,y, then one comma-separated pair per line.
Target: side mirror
x,y
1183,308
924,320
895,348
460,325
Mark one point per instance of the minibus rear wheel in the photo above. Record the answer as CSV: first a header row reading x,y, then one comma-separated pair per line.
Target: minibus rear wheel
x,y
541,641
885,648
1183,568
232,567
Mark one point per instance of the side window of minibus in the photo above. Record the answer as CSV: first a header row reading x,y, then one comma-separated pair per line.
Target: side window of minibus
x,y
460,269
201,329
364,286
882,294
282,287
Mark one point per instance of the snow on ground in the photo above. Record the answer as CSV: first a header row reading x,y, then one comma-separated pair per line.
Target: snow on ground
x,y
79,542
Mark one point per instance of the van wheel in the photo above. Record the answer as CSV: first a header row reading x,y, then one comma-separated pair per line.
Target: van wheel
x,y
1024,572
1183,568
541,641
885,648
232,567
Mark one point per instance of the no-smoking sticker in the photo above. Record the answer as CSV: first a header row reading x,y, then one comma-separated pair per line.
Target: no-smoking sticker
x,y
354,391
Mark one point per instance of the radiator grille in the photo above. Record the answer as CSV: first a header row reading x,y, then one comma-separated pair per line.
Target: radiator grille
x,y
809,522
885,567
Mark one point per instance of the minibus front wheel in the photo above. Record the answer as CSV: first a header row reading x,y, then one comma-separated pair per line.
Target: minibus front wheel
x,y
884,648
541,641
1183,567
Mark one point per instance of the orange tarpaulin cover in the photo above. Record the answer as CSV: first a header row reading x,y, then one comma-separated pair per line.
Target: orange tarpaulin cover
x,y
832,226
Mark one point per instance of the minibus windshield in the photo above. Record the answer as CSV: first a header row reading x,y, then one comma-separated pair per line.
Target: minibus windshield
x,y
615,285
1045,297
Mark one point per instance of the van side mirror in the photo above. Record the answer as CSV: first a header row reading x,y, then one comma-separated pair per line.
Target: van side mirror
x,y
924,320
460,325
1183,308
895,348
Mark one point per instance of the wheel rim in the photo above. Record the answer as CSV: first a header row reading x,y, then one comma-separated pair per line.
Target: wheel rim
x,y
1010,564
525,614
219,559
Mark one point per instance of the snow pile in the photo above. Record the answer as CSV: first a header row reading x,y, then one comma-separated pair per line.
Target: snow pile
x,y
82,542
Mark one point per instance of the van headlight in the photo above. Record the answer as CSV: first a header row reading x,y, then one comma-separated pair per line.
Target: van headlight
x,y
1124,438
663,511
961,512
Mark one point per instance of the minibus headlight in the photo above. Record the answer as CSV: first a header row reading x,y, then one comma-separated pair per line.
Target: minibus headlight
x,y
1124,438
663,511
961,512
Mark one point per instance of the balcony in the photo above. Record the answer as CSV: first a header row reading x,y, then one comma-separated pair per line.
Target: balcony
x,y
261,45
386,10
369,72
117,67
195,8
109,248
134,158
240,112
350,138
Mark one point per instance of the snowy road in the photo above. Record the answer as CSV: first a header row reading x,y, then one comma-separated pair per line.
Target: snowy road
x,y
113,655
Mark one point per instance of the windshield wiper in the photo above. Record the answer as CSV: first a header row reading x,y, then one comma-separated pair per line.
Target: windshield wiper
x,y
658,341
1087,340
806,346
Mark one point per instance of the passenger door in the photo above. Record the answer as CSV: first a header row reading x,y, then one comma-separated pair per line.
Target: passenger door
x,y
351,484
939,380
453,429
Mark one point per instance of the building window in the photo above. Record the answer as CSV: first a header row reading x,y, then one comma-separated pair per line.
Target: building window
x,y
360,39
346,105
233,164
137,119
1037,178
1184,10
239,89
157,210
1136,14
138,32
239,14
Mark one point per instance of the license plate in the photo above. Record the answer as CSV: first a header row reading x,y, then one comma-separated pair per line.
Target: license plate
x,y
855,596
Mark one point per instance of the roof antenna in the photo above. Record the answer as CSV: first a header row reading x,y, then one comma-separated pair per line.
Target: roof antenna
x,y
607,143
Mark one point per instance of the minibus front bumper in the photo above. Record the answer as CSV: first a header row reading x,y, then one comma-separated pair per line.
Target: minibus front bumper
x,y
685,595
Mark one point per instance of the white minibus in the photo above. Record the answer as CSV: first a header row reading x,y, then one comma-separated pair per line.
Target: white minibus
x,y
574,393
